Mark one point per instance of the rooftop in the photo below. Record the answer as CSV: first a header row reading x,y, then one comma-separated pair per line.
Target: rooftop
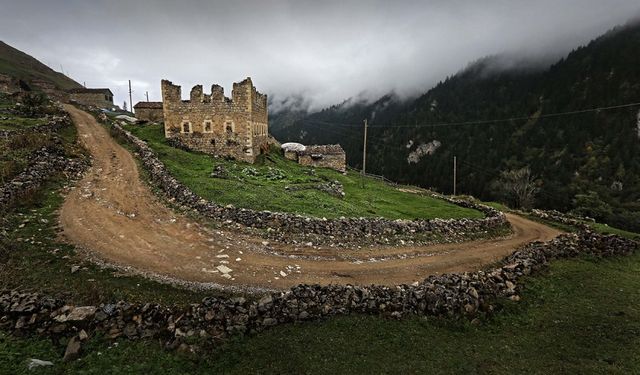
x,y
84,90
150,105
322,149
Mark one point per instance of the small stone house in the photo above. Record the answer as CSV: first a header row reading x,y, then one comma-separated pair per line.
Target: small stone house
x,y
149,111
236,127
101,98
326,156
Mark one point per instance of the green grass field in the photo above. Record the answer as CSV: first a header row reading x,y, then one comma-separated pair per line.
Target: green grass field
x,y
262,186
580,317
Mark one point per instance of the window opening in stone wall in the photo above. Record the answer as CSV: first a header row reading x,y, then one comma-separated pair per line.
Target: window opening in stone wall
x,y
229,127
186,127
207,126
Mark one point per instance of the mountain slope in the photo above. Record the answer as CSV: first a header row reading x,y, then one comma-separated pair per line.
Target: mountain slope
x,y
587,161
20,65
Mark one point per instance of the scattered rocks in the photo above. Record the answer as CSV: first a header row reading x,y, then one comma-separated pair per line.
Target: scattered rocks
x,y
334,188
219,172
73,350
35,363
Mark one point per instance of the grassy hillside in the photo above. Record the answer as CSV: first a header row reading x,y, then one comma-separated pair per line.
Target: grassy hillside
x,y
22,66
277,184
585,162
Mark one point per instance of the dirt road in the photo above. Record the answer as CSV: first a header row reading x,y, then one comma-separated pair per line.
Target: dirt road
x,y
114,214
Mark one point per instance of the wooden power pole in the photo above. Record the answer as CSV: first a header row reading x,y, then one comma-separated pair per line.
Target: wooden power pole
x,y
146,93
364,150
130,100
454,175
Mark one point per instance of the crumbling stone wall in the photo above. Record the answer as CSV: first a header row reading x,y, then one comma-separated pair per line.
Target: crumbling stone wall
x,y
325,156
215,124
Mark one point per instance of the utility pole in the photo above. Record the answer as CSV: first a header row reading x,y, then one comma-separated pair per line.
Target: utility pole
x,y
364,150
146,93
454,175
130,100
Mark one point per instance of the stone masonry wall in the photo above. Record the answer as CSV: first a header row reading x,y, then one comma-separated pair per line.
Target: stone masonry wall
x,y
335,231
215,124
465,295
337,162
93,99
150,114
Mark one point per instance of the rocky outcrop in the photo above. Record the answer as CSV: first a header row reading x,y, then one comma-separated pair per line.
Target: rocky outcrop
x,y
465,295
286,226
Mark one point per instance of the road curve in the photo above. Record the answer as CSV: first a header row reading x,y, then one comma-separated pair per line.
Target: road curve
x,y
113,214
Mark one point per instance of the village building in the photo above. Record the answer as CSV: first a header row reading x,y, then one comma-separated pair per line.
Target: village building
x,y
101,98
326,156
149,111
235,127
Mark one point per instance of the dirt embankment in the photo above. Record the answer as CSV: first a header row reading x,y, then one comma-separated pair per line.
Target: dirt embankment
x,y
113,213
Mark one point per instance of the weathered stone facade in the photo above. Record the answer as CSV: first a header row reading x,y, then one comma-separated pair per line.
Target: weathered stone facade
x,y
325,156
149,111
101,98
214,124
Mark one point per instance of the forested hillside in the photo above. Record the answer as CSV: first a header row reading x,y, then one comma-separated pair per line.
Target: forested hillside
x,y
588,162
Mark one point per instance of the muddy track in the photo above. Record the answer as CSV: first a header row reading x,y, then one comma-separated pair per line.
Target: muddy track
x,y
113,213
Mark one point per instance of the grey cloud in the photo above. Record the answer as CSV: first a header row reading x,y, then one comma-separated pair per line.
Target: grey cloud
x,y
323,51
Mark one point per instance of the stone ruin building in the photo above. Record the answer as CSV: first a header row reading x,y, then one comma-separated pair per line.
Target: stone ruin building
x,y
148,111
326,156
100,98
235,127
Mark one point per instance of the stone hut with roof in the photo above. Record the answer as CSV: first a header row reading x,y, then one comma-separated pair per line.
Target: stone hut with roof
x,y
149,111
326,156
99,97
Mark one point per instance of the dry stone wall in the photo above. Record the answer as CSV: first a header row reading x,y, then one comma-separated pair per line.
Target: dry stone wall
x,y
43,164
465,295
291,227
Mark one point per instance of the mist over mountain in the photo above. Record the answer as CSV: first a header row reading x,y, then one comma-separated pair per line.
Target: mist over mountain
x,y
324,51
578,160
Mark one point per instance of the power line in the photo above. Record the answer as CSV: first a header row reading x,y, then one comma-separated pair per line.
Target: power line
x,y
482,122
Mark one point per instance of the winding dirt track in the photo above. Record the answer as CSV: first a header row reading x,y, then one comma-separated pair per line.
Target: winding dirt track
x,y
114,214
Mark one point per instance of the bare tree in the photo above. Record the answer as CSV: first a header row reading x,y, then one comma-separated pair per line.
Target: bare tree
x,y
517,187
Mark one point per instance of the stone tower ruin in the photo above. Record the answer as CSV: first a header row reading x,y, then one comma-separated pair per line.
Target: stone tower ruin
x,y
214,124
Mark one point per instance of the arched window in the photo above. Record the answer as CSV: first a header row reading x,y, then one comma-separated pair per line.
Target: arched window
x,y
228,127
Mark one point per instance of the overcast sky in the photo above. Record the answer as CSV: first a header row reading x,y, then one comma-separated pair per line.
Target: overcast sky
x,y
325,50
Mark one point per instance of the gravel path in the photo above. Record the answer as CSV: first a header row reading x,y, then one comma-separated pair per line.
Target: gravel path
x,y
113,213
